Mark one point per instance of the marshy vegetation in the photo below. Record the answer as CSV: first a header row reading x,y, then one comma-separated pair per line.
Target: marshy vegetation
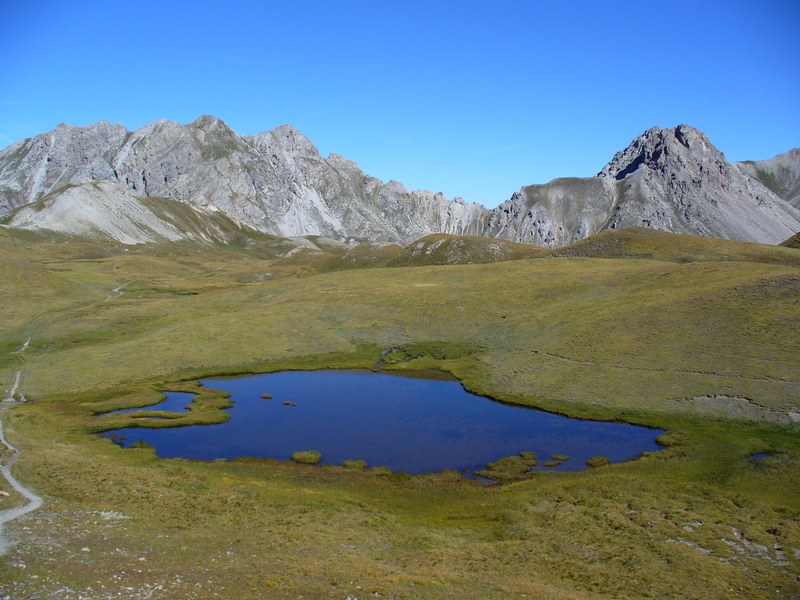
x,y
627,330
307,457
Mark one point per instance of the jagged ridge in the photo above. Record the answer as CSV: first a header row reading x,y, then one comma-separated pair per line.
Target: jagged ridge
x,y
276,182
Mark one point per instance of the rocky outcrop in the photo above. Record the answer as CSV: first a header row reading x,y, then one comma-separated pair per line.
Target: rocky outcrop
x,y
554,214
276,182
37,166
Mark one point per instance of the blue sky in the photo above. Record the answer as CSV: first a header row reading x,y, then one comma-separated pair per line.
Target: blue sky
x,y
473,99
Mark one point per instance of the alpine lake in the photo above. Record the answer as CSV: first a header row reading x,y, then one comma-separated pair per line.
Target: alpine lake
x,y
413,424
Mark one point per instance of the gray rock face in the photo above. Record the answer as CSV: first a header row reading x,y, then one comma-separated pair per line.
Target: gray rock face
x,y
276,182
34,167
668,179
108,211
676,180
780,174
554,214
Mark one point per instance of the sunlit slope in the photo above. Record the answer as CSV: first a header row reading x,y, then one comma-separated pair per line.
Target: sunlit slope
x,y
567,333
629,242
629,328
640,242
443,249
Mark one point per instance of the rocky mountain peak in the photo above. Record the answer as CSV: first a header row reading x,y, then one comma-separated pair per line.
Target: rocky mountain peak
x,y
288,140
209,123
677,180
662,150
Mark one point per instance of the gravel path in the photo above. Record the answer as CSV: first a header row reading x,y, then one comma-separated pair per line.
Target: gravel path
x,y
33,501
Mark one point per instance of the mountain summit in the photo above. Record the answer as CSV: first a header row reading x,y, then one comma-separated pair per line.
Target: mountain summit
x,y
276,182
668,179
676,180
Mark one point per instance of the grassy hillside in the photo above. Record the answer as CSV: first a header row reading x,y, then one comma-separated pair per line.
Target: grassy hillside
x,y
792,242
640,242
444,249
697,337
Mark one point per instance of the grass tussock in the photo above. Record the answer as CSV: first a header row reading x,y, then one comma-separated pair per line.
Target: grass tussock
x,y
307,457
510,468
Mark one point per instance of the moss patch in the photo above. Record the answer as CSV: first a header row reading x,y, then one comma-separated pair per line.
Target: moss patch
x,y
598,461
307,457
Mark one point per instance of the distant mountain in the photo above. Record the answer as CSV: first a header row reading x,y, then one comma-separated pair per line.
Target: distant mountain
x,y
275,182
667,179
104,181
780,174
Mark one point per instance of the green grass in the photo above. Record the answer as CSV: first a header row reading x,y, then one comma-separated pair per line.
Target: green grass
x,y
625,327
510,468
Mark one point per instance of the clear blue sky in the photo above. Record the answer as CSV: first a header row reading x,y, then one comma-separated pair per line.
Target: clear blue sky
x,y
474,99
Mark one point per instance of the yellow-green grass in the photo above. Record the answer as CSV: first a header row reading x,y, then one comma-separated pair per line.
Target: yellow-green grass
x,y
444,249
613,335
704,349
620,531
640,242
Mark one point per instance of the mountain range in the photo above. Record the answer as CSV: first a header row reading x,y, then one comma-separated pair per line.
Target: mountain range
x,y
202,181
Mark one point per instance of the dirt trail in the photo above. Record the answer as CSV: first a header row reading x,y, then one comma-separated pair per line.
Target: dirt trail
x,y
117,291
14,387
33,501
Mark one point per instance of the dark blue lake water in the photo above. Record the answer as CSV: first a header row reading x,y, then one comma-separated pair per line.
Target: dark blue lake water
x,y
760,455
407,424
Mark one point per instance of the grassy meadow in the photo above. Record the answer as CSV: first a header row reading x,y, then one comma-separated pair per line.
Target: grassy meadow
x,y
699,337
